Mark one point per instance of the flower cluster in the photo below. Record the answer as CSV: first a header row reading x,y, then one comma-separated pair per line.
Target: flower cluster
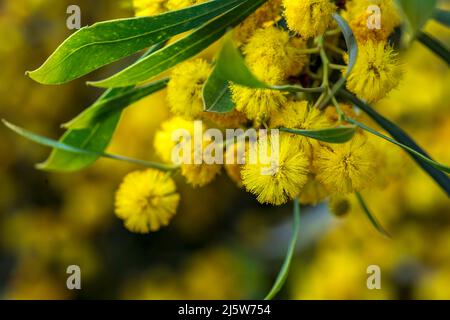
x,y
283,42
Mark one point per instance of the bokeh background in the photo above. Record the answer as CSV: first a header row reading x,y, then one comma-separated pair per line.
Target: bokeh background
x,y
222,244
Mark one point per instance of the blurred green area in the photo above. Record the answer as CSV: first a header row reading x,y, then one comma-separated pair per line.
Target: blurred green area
x,y
221,244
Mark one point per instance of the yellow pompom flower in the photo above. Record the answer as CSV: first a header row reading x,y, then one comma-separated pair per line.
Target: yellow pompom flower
x,y
180,4
184,90
359,16
264,15
164,143
308,18
149,7
376,72
229,120
300,115
345,168
276,179
273,55
257,103
146,200
199,175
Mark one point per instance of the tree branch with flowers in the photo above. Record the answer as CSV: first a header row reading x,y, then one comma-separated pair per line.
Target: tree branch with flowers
x,y
308,68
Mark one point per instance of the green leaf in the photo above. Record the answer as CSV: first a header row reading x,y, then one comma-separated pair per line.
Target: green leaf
x,y
103,43
231,66
417,13
331,135
373,220
96,138
352,48
400,136
182,49
434,45
350,41
78,151
438,166
113,104
216,94
442,16
283,274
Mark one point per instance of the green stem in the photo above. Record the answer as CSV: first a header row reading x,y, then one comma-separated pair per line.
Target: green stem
x,y
284,271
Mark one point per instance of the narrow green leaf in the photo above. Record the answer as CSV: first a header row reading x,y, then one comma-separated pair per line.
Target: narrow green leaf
x,y
434,45
373,220
103,43
216,94
352,48
182,49
442,16
331,135
79,151
231,66
417,13
283,274
97,137
104,107
400,136
435,164
350,41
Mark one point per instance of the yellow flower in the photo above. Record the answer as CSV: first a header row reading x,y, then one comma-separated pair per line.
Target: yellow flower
x,y
180,4
345,168
149,7
266,14
308,18
358,15
146,200
277,178
376,71
273,55
184,91
257,103
229,120
199,175
163,143
299,115
339,205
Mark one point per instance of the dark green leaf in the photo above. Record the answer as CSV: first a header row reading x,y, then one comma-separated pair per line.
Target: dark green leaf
x,y
106,106
435,164
373,220
399,135
103,43
443,17
331,135
216,94
182,49
435,46
417,13
77,151
283,274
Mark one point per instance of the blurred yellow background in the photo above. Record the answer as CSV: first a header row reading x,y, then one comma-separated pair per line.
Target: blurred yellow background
x,y
221,244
